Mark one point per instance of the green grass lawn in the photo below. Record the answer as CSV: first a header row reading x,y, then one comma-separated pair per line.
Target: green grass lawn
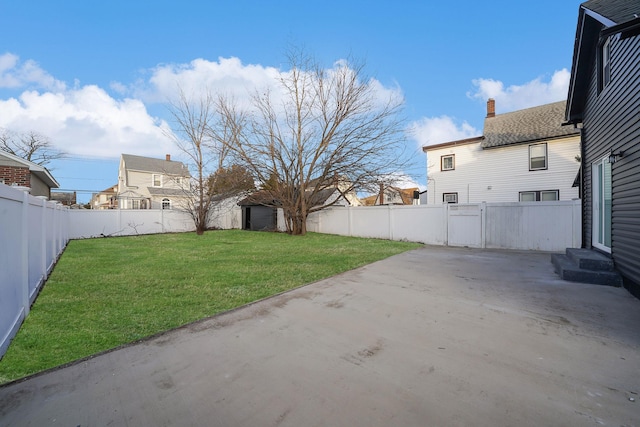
x,y
107,292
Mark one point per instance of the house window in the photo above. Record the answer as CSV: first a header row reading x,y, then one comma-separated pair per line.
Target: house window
x,y
539,196
605,64
450,197
157,180
448,163
135,204
537,157
166,204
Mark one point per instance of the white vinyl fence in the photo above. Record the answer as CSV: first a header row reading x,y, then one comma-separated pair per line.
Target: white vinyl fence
x,y
225,214
540,226
33,234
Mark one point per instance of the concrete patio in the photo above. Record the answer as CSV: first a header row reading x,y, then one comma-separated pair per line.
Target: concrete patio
x,y
432,337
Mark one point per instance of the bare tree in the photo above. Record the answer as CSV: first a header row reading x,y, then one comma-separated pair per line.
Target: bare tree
x,y
198,133
30,146
328,128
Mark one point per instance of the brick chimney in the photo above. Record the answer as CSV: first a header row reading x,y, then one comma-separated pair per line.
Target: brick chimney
x,y
381,193
168,157
491,107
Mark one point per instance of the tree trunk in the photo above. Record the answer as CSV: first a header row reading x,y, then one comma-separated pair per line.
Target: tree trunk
x,y
299,224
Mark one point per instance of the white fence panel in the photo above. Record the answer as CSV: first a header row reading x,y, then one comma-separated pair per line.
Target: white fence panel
x,y
124,222
33,233
540,226
332,221
370,221
424,224
464,227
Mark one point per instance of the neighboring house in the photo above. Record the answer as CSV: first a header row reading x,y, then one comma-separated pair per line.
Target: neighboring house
x,y
148,183
604,98
66,198
525,155
106,199
16,171
390,195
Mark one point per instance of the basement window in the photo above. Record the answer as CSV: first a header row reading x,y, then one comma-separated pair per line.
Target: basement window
x,y
450,197
539,196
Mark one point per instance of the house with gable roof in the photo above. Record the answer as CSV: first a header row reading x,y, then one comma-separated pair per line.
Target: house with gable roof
x,y
526,155
148,183
604,101
18,172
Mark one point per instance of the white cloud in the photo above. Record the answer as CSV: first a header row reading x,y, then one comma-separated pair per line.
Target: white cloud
x,y
436,130
516,97
87,121
15,74
226,76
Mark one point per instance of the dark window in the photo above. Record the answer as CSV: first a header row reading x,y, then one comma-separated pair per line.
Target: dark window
x,y
450,197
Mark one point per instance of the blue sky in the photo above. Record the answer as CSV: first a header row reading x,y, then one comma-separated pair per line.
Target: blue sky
x,y
94,76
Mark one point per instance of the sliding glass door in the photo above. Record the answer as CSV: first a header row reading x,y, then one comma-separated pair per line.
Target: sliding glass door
x,y
601,210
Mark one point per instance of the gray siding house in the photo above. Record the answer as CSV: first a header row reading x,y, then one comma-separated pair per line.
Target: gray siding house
x,y
604,100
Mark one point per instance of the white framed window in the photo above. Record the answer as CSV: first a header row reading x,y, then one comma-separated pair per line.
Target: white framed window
x,y
135,204
538,157
450,197
448,162
156,180
166,203
539,196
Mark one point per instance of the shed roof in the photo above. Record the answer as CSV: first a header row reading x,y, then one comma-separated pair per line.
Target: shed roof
x,y
525,126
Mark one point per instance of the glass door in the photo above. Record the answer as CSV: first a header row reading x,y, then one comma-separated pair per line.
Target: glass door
x,y
601,210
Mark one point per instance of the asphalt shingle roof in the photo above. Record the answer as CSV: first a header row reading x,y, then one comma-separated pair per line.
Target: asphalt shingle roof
x,y
148,164
531,124
619,11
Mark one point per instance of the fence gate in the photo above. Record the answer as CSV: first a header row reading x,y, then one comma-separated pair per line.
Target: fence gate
x,y
464,225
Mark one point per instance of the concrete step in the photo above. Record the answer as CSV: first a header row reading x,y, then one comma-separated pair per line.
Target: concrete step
x,y
569,270
590,260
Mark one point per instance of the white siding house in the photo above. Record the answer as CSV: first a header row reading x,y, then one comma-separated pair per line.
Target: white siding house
x,y
148,183
525,155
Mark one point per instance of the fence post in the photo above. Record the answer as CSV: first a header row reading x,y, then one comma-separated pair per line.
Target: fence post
x,y
350,220
43,239
24,253
445,208
483,225
390,210
577,223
